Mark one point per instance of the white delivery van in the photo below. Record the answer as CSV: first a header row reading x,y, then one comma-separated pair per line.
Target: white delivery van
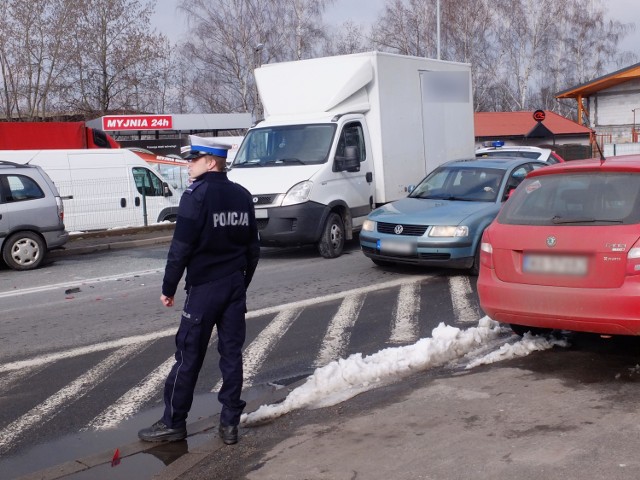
x,y
345,134
103,188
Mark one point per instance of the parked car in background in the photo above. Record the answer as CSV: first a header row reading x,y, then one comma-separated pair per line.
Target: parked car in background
x,y
564,252
441,222
31,215
500,150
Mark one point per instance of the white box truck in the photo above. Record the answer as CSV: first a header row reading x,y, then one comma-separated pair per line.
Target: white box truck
x,y
103,188
345,134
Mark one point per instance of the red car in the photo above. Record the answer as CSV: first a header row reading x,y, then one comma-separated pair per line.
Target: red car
x,y
564,251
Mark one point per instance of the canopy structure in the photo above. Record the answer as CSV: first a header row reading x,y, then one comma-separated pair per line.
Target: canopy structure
x,y
588,89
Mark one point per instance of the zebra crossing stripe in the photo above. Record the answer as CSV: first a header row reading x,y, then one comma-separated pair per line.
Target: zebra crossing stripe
x,y
257,351
75,390
405,327
336,339
76,352
463,310
131,402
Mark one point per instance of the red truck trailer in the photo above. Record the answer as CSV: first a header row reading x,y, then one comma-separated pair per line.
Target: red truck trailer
x,y
52,135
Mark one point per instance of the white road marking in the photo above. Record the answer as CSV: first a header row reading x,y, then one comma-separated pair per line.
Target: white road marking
x,y
128,404
77,283
75,390
131,402
11,378
405,327
463,309
75,352
334,343
257,351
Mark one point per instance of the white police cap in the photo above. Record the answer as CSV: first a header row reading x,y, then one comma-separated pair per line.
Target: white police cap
x,y
205,146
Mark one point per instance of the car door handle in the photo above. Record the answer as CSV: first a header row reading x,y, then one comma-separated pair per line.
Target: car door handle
x,y
369,177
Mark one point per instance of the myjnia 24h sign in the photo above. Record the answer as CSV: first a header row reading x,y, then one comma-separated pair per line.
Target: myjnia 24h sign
x,y
137,122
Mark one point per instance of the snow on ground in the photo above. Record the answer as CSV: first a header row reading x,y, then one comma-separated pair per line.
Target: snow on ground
x,y
345,378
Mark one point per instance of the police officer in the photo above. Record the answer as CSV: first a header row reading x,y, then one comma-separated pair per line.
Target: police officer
x,y
216,241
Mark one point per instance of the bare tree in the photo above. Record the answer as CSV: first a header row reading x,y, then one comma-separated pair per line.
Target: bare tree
x,y
521,51
407,27
231,38
34,53
113,56
349,38
586,47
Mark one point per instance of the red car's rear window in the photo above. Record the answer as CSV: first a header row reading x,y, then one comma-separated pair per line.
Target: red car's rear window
x,y
594,198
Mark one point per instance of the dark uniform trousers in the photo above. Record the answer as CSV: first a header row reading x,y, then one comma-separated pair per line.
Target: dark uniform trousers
x,y
220,303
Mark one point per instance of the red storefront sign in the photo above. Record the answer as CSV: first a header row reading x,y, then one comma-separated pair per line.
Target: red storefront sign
x,y
137,122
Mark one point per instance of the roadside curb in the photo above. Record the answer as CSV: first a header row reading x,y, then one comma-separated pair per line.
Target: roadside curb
x,y
90,242
80,250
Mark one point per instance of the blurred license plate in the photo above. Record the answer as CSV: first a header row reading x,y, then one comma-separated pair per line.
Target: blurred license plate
x,y
560,265
262,213
395,247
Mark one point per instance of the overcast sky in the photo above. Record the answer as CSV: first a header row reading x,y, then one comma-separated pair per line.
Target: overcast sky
x,y
171,23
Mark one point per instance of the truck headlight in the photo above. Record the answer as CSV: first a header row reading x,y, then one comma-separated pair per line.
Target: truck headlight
x,y
449,231
299,193
369,226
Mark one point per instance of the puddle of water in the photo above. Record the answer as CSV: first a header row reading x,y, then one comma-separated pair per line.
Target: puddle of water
x,y
145,464
139,466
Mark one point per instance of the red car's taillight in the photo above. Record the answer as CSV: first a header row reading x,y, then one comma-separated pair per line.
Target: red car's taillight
x,y
486,251
633,260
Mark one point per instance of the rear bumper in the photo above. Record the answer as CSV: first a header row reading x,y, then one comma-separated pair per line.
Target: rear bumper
x,y
598,310
55,239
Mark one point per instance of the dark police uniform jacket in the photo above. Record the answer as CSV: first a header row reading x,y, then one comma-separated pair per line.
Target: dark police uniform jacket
x,y
216,234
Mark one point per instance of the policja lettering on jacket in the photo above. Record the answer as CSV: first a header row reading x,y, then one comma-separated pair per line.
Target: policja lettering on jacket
x,y
233,219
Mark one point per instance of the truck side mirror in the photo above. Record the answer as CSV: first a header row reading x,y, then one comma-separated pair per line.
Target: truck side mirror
x,y
350,162
166,190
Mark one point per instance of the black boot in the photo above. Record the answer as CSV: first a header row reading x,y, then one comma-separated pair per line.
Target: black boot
x,y
228,434
159,432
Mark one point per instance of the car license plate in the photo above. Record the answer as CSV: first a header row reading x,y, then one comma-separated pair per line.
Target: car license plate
x,y
262,213
396,248
552,264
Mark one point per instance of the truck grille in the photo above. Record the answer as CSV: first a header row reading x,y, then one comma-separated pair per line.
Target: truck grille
x,y
407,230
264,199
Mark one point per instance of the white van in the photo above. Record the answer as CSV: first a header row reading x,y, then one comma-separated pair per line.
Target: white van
x,y
345,134
103,188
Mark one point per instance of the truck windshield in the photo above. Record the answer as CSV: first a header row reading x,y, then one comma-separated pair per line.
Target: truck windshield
x,y
285,145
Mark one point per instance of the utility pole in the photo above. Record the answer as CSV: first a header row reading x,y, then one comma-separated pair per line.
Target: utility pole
x,y
438,28
257,60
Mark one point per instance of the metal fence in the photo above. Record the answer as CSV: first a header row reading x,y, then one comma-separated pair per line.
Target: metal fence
x,y
99,204
613,149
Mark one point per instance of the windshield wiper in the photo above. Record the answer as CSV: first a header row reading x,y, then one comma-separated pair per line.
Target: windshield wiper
x,y
286,160
247,164
449,197
558,220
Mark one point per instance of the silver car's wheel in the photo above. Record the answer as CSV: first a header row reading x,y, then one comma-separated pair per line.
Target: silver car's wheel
x,y
23,251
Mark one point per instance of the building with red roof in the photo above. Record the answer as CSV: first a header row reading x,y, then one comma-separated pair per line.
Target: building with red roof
x,y
568,138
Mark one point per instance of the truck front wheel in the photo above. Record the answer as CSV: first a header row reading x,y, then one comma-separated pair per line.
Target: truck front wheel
x,y
332,239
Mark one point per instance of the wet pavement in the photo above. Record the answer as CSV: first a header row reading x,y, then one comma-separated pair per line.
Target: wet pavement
x,y
565,413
